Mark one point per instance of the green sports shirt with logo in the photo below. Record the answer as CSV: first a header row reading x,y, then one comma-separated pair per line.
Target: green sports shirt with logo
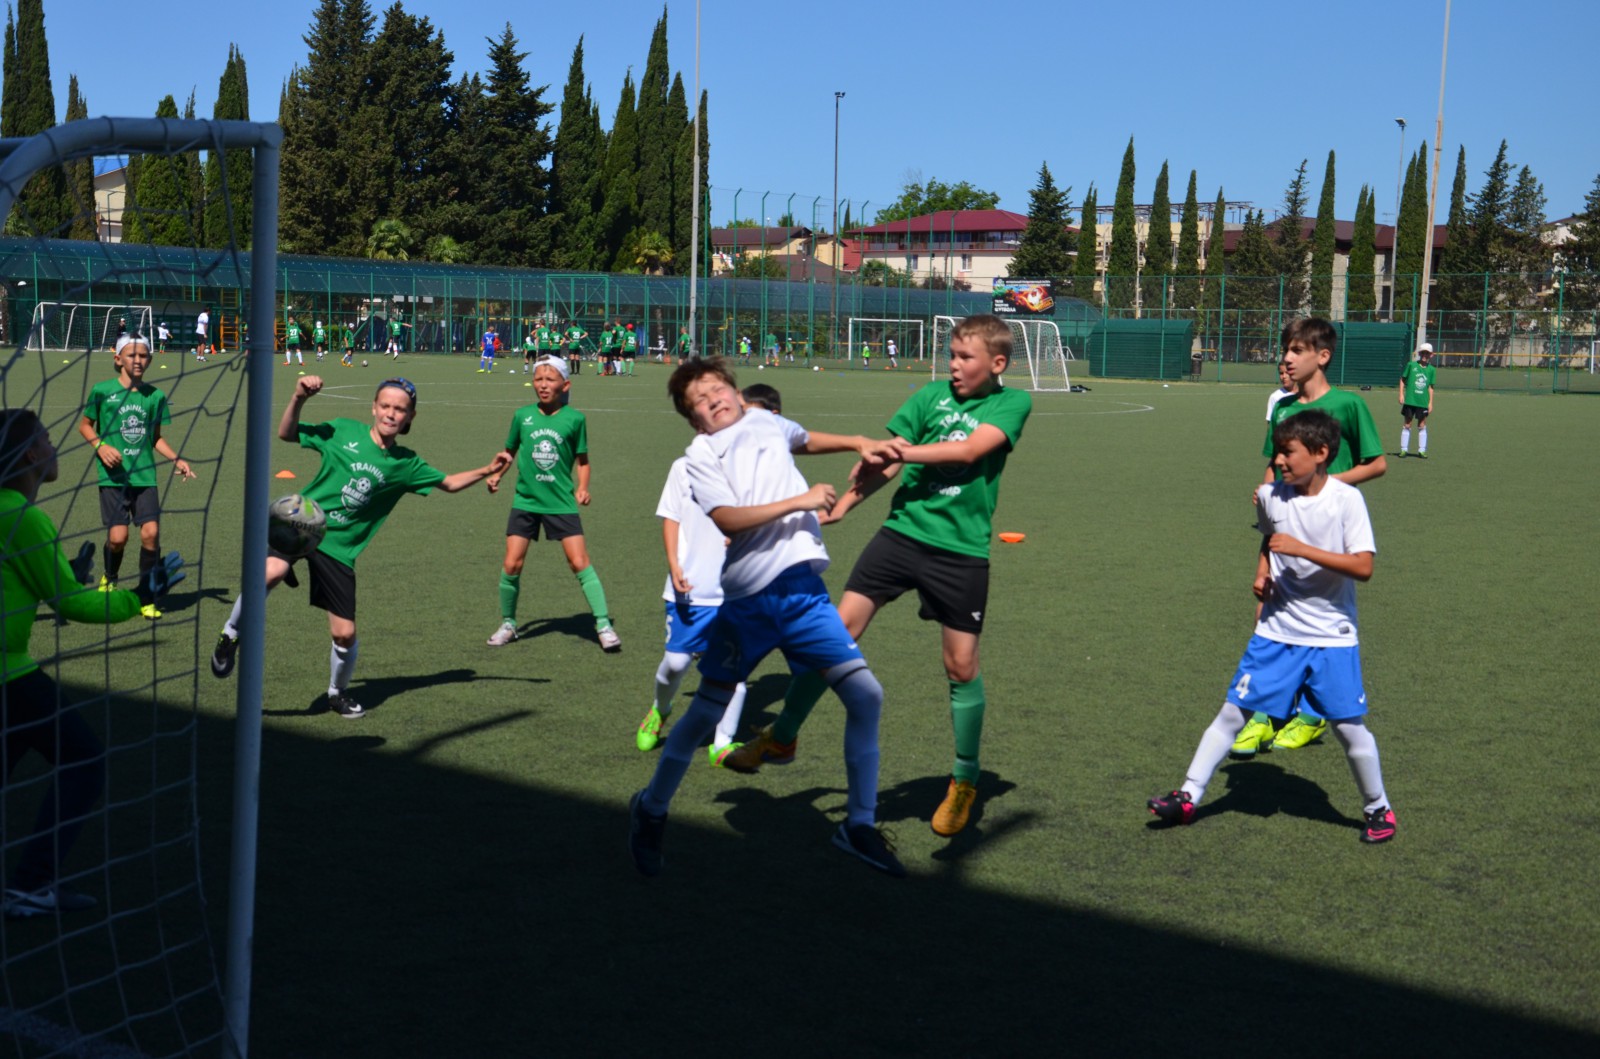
x,y
129,420
630,342
349,338
394,327
359,482
574,335
546,447
684,342
951,506
545,337
608,339
318,335
1358,434
292,334
1418,381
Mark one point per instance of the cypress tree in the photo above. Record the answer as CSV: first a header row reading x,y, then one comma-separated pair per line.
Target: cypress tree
x,y
459,215
1255,264
43,206
1361,276
1291,245
1582,283
1456,288
619,208
680,176
1186,285
1411,231
1158,246
1087,266
684,164
516,182
158,210
1213,296
407,123
1045,249
228,177
657,140
1122,285
80,174
194,183
575,171
1324,247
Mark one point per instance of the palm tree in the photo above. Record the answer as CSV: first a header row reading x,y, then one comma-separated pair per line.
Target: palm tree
x,y
445,250
389,241
652,252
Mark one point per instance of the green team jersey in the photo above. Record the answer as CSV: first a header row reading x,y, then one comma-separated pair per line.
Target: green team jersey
x,y
546,447
545,337
34,571
292,334
772,341
1418,381
319,336
359,482
349,338
683,342
529,343
950,506
1358,434
574,334
394,327
630,342
608,339
129,420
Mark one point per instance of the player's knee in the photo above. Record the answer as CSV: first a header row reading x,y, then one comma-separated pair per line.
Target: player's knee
x,y
344,640
578,563
961,670
513,567
150,534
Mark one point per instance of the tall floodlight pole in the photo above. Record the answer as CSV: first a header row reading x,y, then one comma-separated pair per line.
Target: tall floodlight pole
x,y
838,246
694,207
1394,244
1433,189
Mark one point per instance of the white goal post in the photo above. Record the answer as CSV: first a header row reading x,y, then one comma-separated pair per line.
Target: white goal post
x,y
60,326
879,331
1036,347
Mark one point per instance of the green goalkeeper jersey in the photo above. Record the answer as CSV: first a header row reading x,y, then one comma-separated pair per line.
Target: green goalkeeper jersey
x,y
359,482
1358,434
129,420
546,448
951,506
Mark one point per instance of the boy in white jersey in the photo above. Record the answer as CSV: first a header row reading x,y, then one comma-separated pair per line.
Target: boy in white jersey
x,y
1317,542
742,474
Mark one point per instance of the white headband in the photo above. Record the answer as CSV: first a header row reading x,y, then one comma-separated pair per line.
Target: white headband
x,y
557,364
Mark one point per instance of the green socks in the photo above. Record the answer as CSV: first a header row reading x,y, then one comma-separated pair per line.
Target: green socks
x,y
805,690
510,588
966,717
589,581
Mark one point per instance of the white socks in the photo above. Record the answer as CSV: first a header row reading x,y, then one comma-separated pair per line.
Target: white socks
x,y
341,664
1405,439
1422,439
1361,750
1215,743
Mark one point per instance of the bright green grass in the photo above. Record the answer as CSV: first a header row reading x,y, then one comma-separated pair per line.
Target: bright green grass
x,y
448,875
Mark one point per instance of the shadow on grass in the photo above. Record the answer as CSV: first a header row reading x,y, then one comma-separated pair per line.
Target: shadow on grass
x,y
577,626
373,694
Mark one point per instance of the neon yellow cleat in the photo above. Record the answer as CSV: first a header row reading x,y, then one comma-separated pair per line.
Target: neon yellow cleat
x,y
1299,732
1255,737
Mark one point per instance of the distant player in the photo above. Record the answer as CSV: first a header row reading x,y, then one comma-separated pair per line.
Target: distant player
x,y
550,445
770,345
659,350
1416,400
202,325
530,351
1317,542
122,420
486,357
954,438
1286,388
575,334
866,356
364,473
742,474
744,349
163,336
396,326
347,337
685,347
892,352
319,339
36,715
630,349
291,342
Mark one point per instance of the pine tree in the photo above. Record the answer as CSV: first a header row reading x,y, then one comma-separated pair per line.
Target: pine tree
x,y
1324,246
575,173
513,227
29,107
80,174
656,139
228,210
1158,246
1122,285
1411,233
1458,289
1361,276
1487,214
1214,297
1186,285
158,209
1291,249
1255,264
408,121
1045,250
619,207
1581,284
1087,266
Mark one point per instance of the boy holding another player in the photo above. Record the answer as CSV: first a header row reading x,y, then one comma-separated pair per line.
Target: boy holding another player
x,y
364,473
122,420
550,444
1316,544
742,473
955,437
1307,349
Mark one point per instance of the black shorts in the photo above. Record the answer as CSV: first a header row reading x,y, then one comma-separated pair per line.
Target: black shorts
x,y
333,584
122,504
556,527
954,589
1409,412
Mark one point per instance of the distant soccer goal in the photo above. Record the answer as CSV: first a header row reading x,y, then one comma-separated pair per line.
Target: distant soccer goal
x,y
1036,347
58,326
878,332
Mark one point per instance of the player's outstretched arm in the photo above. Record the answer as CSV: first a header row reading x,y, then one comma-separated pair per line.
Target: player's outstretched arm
x,y
864,481
730,520
986,439
467,479
1357,565
870,450
305,388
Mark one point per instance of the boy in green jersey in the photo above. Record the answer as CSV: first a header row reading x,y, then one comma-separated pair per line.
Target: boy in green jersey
x,y
33,715
630,349
575,335
530,350
395,325
685,348
550,444
291,341
122,420
1416,400
348,337
1307,345
953,438
319,339
364,473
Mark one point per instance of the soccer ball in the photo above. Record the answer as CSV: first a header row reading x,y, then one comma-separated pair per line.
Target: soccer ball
x,y
816,367
363,363
295,525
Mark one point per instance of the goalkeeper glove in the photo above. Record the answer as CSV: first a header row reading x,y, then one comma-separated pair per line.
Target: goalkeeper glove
x,y
159,579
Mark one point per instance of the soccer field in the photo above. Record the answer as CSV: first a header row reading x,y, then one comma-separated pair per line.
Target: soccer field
x,y
448,875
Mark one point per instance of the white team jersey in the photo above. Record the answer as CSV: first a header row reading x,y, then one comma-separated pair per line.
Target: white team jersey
x,y
891,348
1310,604
202,323
700,547
1272,402
751,463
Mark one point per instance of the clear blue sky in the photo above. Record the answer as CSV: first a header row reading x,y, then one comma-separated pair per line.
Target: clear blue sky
x,y
1239,90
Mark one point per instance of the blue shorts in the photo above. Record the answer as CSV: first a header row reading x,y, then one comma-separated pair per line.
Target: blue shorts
x,y
793,615
689,627
1271,674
